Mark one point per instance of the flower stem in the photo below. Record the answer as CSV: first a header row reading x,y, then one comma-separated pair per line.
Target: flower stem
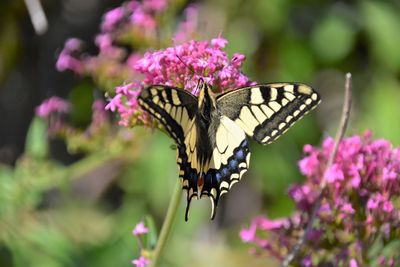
x,y
167,225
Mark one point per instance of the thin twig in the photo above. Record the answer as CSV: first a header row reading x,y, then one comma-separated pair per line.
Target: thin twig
x,y
339,135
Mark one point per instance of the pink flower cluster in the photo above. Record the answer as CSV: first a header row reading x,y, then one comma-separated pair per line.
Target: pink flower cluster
x,y
359,207
181,66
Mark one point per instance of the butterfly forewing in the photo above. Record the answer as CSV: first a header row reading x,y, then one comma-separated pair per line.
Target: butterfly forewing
x,y
172,107
175,110
265,111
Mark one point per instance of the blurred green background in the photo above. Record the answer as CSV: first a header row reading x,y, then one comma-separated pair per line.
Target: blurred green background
x,y
59,208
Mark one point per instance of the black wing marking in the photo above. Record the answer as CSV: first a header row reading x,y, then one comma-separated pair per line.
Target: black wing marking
x,y
173,108
266,111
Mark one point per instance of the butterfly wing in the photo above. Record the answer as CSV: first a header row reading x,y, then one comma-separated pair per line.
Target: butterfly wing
x,y
266,111
230,160
173,108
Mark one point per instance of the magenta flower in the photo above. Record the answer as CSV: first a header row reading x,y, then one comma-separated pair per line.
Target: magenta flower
x,y
52,105
155,5
361,196
248,235
168,66
180,66
143,19
112,18
187,29
353,263
140,229
67,59
141,262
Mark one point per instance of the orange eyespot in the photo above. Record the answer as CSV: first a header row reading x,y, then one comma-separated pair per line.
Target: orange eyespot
x,y
200,181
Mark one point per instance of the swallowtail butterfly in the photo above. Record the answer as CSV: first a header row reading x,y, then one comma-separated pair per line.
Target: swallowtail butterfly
x,y
210,132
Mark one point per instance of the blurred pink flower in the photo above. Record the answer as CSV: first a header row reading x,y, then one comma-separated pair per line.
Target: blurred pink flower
x,y
248,235
143,19
187,29
155,5
353,263
67,60
140,229
52,105
111,18
141,262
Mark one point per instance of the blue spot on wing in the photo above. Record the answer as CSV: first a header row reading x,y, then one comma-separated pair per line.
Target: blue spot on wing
x,y
218,177
239,154
233,164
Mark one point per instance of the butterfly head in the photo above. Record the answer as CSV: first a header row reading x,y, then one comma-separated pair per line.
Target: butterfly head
x,y
206,98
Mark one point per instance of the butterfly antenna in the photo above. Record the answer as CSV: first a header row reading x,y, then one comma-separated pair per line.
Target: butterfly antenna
x,y
200,81
188,67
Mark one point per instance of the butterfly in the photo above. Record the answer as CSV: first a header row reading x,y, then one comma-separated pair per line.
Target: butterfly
x,y
210,132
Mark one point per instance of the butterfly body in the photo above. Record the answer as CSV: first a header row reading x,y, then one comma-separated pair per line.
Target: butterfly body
x,y
210,132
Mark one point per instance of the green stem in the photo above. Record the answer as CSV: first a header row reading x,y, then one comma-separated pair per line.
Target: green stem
x,y
167,225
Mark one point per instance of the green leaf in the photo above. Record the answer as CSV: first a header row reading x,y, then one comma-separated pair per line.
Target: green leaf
x,y
81,97
152,236
36,144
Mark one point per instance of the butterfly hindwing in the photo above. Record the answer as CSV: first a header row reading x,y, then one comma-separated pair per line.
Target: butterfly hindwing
x,y
229,161
265,111
173,108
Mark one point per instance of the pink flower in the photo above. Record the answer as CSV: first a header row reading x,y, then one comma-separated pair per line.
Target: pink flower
x,y
334,173
219,42
73,44
372,203
143,19
111,18
66,59
237,59
306,261
115,104
266,224
67,62
155,5
52,105
353,263
389,174
309,165
140,229
387,206
347,208
141,262
247,235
